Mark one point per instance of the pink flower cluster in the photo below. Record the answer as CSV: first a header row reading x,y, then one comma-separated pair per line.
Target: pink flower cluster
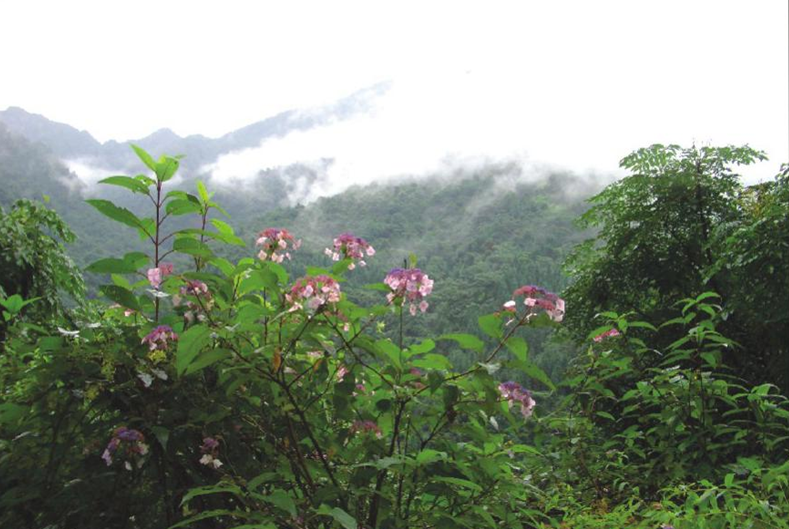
x,y
348,246
411,285
127,443
513,392
275,244
607,334
158,338
313,292
197,289
537,298
210,450
366,427
157,275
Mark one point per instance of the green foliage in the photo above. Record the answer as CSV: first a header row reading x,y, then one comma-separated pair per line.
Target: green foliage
x,y
232,391
34,260
682,224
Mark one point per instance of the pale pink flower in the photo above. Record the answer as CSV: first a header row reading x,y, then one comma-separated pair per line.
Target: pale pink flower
x,y
275,243
536,298
607,334
348,246
313,293
411,286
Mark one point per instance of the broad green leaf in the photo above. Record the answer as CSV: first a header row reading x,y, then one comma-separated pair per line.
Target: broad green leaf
x,y
533,371
344,519
122,215
466,341
433,361
202,192
518,347
112,266
491,325
128,182
207,358
429,455
458,482
143,155
282,500
191,246
181,207
166,168
121,296
422,347
190,344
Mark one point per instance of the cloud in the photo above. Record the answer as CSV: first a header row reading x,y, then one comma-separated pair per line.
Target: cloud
x,y
426,125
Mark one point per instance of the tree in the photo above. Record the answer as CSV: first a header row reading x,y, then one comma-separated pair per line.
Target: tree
x,y
33,258
679,225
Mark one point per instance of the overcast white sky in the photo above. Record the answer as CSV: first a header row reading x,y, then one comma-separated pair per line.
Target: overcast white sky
x,y
577,84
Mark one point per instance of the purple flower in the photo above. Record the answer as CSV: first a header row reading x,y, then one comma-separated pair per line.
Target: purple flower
x,y
157,339
513,392
409,285
126,441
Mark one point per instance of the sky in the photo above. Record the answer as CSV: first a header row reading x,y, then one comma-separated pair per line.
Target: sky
x,y
568,84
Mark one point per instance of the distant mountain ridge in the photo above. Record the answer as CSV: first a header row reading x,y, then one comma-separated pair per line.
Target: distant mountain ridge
x,y
69,143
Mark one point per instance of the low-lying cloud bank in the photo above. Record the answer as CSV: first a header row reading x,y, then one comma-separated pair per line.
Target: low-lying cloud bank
x,y
423,127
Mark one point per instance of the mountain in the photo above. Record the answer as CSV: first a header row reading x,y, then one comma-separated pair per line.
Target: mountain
x,y
63,140
70,144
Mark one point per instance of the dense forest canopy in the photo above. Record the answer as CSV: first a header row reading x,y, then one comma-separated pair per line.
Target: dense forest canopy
x,y
398,355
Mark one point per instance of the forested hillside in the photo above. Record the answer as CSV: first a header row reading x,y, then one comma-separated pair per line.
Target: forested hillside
x,y
400,355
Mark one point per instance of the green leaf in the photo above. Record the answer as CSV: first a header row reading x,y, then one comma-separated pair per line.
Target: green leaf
x,y
519,348
166,168
122,215
466,341
224,266
282,500
491,325
162,435
181,207
533,371
191,246
112,266
143,155
190,344
207,358
11,413
422,347
391,351
203,192
458,482
342,517
121,296
128,182
433,361
429,456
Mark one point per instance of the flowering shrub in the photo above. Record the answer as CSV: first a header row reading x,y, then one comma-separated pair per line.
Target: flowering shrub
x,y
276,244
159,339
320,413
513,392
348,246
313,293
127,444
203,301
537,298
409,285
157,275
210,450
